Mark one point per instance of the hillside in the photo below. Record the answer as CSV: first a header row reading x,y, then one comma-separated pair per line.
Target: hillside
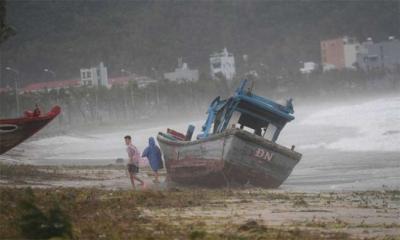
x,y
139,35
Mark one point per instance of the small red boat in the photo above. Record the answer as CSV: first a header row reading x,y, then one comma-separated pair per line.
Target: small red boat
x,y
16,130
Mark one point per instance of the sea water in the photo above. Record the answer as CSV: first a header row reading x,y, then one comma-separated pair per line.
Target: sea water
x,y
345,147
348,147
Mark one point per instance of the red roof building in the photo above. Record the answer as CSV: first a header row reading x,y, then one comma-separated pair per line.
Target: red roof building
x,y
35,87
119,80
123,80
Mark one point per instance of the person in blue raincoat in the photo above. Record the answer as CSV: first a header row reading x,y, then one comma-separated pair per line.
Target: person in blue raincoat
x,y
153,154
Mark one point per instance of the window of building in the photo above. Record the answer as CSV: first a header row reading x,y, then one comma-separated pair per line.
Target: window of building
x,y
370,59
216,65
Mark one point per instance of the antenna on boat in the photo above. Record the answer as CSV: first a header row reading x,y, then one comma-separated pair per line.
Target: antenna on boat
x,y
250,89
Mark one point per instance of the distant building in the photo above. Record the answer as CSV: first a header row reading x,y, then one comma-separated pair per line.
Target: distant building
x,y
339,53
182,73
95,76
222,63
146,82
141,81
5,89
379,56
308,67
51,85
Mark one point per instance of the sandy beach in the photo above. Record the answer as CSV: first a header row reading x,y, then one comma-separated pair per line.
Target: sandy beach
x,y
213,213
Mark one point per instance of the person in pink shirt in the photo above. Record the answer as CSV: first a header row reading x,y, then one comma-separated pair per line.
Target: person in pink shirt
x,y
133,163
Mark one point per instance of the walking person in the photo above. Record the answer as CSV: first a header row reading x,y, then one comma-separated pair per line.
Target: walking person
x,y
133,163
153,154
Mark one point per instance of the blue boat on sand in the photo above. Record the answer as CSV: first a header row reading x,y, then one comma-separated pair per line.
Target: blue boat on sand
x,y
237,145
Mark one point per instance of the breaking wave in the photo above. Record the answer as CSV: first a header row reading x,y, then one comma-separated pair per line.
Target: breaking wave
x,y
377,124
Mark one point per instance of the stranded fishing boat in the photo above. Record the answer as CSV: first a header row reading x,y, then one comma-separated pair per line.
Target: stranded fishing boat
x,y
14,131
237,145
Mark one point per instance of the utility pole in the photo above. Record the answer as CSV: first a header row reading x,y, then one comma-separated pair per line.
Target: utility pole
x,y
398,1
16,87
157,83
131,90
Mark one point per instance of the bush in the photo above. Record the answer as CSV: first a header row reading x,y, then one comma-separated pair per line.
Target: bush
x,y
33,223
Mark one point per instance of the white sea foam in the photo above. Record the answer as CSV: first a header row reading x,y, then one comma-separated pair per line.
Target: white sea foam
x,y
377,124
59,139
91,148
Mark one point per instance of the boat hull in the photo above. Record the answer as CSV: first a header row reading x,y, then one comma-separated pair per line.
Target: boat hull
x,y
234,157
15,131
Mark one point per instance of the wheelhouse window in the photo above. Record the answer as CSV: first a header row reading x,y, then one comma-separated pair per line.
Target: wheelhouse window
x,y
234,121
253,125
268,132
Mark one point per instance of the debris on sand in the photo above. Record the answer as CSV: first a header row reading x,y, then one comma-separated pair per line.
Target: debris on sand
x,y
102,194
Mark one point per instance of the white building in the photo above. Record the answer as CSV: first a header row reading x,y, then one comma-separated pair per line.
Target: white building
x,y
222,63
94,76
308,67
351,49
182,73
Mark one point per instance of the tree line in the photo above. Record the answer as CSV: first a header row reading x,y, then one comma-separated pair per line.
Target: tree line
x,y
167,100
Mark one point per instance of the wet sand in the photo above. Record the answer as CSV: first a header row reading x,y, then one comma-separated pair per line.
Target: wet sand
x,y
352,214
